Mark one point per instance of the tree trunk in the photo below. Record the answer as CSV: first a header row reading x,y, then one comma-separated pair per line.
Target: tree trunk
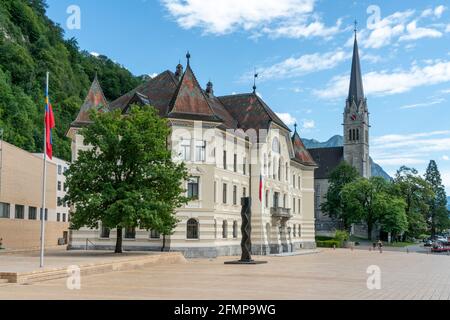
x,y
369,231
164,243
119,241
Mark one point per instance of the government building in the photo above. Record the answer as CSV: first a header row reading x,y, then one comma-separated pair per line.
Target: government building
x,y
234,146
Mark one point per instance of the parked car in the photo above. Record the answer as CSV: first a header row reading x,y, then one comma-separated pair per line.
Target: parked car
x,y
428,243
440,247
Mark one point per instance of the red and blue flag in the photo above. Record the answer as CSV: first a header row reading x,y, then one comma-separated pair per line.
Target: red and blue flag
x,y
49,125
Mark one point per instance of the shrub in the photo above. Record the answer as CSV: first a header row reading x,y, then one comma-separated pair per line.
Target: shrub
x,y
323,238
342,236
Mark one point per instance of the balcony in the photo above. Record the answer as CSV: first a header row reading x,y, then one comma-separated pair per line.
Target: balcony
x,y
281,213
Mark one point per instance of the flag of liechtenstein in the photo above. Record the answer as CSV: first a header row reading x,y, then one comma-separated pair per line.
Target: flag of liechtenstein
x,y
49,125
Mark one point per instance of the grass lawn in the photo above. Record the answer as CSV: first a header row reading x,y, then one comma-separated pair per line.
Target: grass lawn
x,y
400,244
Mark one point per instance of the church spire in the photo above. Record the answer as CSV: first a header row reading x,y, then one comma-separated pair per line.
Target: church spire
x,y
356,91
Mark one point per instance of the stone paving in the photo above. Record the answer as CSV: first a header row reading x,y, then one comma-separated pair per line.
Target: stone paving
x,y
330,274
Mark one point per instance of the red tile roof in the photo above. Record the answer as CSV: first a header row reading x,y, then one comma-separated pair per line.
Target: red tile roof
x,y
301,154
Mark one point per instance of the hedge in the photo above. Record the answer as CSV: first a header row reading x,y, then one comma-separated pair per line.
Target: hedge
x,y
328,244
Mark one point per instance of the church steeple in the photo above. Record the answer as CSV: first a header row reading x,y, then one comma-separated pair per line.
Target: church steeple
x,y
356,91
356,120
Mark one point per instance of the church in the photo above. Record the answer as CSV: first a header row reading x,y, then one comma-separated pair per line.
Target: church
x,y
355,150
233,146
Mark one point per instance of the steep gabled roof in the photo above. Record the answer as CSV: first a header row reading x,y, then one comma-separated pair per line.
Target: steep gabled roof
x,y
95,100
251,111
327,160
356,90
189,99
158,90
301,154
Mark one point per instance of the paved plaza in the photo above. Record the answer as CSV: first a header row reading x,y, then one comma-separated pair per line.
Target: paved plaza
x,y
329,274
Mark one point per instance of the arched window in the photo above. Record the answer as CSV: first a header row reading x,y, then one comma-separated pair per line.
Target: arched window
x,y
225,229
276,145
235,229
299,230
295,231
192,229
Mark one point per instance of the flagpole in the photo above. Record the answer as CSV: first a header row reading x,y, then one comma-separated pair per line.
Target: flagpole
x,y
44,181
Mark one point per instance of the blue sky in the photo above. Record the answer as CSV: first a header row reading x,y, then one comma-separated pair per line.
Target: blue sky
x,y
302,50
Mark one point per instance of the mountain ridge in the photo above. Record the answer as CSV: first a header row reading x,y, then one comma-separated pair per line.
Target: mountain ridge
x,y
338,141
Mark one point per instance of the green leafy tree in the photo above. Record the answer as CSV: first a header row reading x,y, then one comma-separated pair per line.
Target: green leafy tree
x,y
127,179
371,201
334,206
438,219
417,193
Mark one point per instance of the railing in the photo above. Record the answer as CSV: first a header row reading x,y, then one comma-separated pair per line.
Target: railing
x,y
89,242
281,213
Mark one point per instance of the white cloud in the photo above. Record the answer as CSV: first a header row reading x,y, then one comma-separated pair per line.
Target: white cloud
x,y
400,26
446,158
448,28
294,29
308,124
280,18
294,67
424,104
95,54
394,82
287,118
415,33
446,180
409,149
436,12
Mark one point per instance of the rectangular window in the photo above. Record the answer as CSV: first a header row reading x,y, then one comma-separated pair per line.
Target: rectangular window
x,y
299,182
46,214
130,233
185,150
200,151
224,193
244,192
293,181
299,206
64,187
59,169
19,212
64,217
235,163
154,234
293,206
225,160
244,166
193,184
58,217
105,232
4,210
32,213
59,202
276,200
59,186
267,198
235,195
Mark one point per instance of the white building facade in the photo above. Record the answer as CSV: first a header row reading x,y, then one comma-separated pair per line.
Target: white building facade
x,y
234,147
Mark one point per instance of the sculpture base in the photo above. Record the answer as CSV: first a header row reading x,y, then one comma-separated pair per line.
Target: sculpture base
x,y
248,262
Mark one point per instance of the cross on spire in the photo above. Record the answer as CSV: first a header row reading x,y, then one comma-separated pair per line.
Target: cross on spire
x,y
254,82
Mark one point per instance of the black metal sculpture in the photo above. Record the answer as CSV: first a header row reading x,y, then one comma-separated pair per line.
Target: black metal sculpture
x,y
246,229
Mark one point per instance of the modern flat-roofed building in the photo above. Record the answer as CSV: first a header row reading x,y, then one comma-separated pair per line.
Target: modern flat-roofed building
x,y
21,200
